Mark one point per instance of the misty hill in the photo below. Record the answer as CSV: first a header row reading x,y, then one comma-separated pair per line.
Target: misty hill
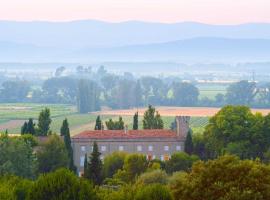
x,y
91,33
194,50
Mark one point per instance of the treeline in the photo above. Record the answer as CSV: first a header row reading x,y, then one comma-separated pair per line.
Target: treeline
x,y
231,157
133,177
91,90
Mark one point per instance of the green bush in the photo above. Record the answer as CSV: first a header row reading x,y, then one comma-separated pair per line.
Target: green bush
x,y
61,185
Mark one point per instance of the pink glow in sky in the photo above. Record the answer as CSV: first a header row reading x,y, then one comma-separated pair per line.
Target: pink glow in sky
x,y
205,11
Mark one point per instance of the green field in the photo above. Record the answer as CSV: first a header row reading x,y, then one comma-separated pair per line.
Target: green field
x,y
12,117
211,90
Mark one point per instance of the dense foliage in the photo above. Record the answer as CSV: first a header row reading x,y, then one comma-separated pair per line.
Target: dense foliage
x,y
225,178
236,130
52,155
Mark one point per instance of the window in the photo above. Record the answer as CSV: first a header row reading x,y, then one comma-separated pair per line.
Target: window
x,y
82,148
166,148
139,148
166,157
178,148
150,148
103,148
121,148
91,147
162,158
82,161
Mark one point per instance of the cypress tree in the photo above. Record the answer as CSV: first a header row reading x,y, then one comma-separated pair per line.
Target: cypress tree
x,y
44,121
31,127
24,128
189,143
98,125
136,121
95,166
66,133
85,167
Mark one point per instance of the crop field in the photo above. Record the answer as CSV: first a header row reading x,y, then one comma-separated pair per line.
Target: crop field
x,y
12,116
211,90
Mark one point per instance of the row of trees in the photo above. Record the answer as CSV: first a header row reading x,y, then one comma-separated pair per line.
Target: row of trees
x,y
43,126
151,120
126,91
28,155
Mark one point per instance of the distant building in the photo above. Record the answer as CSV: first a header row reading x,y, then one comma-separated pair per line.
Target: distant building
x,y
155,144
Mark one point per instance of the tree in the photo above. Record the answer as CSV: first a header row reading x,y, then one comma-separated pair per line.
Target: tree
x,y
61,184
113,163
44,121
153,192
16,157
24,128
14,91
98,125
95,166
66,133
134,165
136,121
14,187
241,93
138,94
180,162
88,96
153,177
31,127
235,130
227,177
185,94
58,90
28,127
52,155
152,119
115,125
189,143
85,167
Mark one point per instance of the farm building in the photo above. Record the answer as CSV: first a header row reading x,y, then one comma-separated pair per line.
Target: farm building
x,y
154,143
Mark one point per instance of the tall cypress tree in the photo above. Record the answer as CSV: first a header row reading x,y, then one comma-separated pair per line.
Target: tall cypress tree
x,y
98,125
44,121
85,167
66,133
95,166
24,128
31,127
189,143
136,121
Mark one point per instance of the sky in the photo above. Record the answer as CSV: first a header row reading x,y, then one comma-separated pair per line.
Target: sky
x,y
168,11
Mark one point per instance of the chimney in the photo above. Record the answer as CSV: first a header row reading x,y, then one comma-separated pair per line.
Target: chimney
x,y
182,126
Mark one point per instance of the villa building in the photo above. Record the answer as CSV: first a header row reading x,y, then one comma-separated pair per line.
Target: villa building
x,y
155,144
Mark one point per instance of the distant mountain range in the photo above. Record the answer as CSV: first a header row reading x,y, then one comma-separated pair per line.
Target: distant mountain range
x,y
89,40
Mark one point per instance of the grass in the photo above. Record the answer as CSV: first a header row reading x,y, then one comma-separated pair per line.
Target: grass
x,y
210,90
25,111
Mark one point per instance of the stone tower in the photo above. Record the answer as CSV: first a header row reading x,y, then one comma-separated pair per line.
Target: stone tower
x,y
182,125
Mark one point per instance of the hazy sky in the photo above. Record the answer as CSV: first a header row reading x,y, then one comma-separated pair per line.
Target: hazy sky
x,y
206,11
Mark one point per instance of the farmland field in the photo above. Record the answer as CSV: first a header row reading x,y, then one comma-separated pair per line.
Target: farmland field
x,y
12,116
211,90
175,111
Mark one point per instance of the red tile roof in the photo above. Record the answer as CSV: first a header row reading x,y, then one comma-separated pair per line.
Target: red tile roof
x,y
130,134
